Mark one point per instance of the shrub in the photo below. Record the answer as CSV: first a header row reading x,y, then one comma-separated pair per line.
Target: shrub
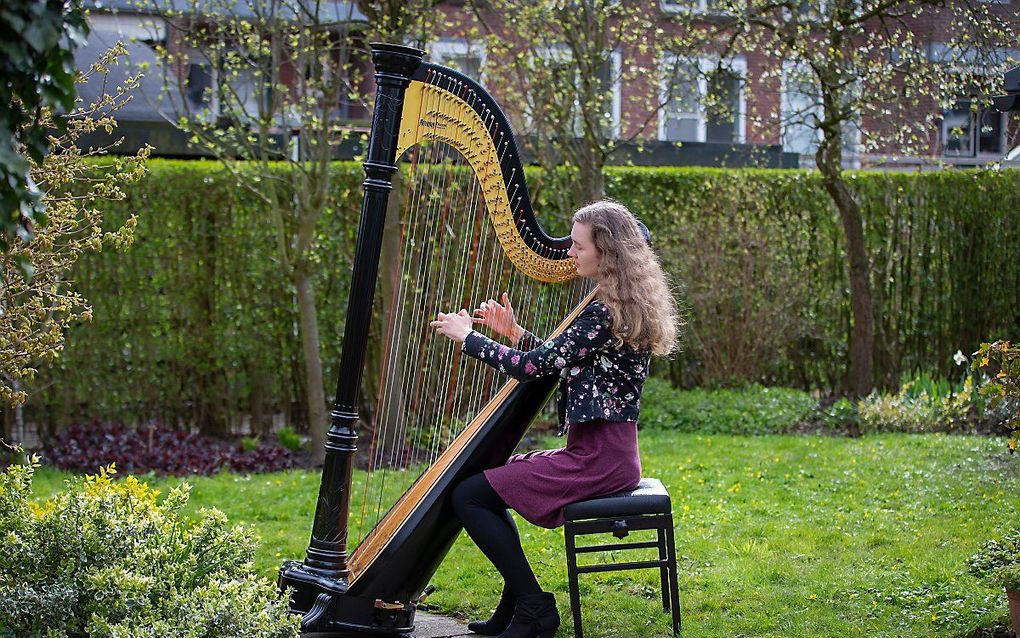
x,y
923,404
289,439
106,558
82,448
840,415
1001,362
750,410
250,443
999,560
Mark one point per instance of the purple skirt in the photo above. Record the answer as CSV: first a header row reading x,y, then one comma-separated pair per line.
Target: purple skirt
x,y
601,457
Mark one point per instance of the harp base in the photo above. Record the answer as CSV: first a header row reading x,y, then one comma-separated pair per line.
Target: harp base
x,y
328,610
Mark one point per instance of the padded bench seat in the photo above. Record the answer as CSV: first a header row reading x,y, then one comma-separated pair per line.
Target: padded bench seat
x,y
646,507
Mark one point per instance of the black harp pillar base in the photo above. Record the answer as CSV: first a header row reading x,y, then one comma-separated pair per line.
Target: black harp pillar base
x,y
318,586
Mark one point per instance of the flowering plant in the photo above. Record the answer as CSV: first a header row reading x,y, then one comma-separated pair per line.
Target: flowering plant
x,y
1000,362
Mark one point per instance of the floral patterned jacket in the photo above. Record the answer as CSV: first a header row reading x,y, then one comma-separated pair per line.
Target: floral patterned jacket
x,y
597,379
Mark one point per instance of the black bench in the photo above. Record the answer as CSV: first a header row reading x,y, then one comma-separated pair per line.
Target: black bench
x,y
645,508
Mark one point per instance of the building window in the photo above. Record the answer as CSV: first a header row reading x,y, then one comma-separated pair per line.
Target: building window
x,y
801,110
968,131
459,55
703,101
200,82
560,71
694,6
243,93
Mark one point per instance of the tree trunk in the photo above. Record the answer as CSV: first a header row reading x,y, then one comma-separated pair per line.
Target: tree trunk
x,y
862,337
315,395
592,183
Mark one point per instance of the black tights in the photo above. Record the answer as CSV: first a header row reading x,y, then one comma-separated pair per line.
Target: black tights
x,y
489,524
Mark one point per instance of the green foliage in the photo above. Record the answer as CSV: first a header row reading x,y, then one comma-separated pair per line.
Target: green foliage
x,y
287,437
749,410
760,254
37,39
841,415
106,558
196,321
922,404
1000,361
554,65
197,318
999,560
250,443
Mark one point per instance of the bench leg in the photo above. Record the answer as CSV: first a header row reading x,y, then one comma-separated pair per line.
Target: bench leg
x,y
664,570
575,594
674,588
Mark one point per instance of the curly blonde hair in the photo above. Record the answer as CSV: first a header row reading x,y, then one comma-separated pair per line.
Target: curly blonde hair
x,y
631,281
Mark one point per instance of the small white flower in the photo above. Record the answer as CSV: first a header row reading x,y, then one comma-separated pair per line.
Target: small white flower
x,y
960,358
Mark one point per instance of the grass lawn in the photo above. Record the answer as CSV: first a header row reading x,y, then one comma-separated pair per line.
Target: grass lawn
x,y
791,536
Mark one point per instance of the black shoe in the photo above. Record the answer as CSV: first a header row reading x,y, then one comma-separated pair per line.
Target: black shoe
x,y
500,619
535,616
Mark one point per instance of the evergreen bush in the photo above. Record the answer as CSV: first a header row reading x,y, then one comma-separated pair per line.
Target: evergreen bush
x,y
195,323
107,558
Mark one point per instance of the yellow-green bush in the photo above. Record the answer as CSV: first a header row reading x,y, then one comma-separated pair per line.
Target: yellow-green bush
x,y
108,559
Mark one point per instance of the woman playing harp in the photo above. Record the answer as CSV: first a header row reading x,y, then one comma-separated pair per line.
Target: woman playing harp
x,y
602,360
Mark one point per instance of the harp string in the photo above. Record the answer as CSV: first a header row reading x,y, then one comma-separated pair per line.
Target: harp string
x,y
449,258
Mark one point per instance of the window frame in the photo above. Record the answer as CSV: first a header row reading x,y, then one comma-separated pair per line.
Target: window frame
x,y
852,133
706,63
442,49
975,134
615,72
700,8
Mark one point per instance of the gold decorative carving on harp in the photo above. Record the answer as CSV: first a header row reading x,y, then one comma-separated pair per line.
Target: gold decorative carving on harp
x,y
461,230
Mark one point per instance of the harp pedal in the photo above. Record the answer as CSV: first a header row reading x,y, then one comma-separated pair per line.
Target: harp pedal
x,y
420,602
397,606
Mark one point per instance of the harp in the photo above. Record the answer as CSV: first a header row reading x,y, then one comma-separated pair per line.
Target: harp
x,y
463,231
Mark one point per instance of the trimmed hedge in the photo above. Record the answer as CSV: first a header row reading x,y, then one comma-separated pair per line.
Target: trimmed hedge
x,y
196,323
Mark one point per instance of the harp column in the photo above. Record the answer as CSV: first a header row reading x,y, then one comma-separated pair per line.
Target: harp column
x,y
325,565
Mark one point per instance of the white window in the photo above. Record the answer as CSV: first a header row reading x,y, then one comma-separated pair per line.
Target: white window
x,y
558,61
694,6
459,55
703,100
801,111
969,131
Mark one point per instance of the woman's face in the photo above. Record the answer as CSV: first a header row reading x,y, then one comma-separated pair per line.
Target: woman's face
x,y
583,251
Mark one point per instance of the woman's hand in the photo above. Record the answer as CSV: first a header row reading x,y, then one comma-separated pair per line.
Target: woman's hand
x,y
500,318
455,325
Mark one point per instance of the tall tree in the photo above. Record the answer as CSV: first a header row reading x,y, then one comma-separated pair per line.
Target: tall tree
x,y
263,86
867,75
558,66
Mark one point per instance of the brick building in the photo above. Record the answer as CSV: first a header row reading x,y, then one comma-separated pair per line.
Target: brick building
x,y
670,124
